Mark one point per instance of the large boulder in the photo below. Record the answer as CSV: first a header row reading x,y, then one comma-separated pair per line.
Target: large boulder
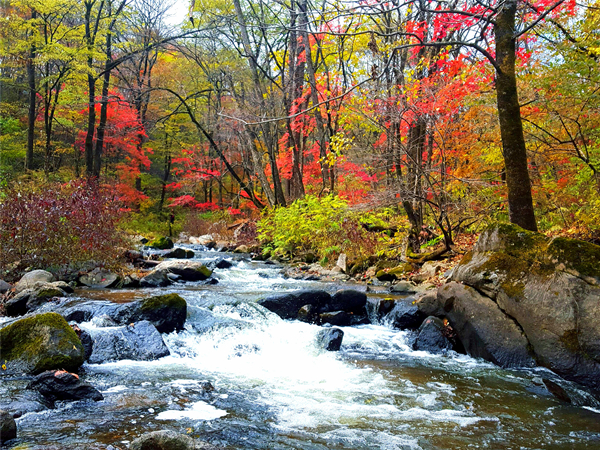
x,y
61,385
40,342
483,328
156,278
179,253
8,427
348,300
548,287
139,342
30,279
166,312
288,305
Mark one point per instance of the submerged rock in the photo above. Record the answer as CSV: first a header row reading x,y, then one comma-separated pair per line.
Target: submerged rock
x,y
8,427
62,385
330,339
168,440
40,342
139,341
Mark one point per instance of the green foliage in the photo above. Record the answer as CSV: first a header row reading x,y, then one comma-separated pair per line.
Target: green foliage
x,y
324,226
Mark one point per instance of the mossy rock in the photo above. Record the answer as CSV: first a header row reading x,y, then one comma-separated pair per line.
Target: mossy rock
x,y
395,272
166,312
550,287
38,343
163,243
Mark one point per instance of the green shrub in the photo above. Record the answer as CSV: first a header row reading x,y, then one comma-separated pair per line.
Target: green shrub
x,y
323,226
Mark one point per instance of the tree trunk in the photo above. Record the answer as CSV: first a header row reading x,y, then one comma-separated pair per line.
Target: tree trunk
x,y
103,108
31,114
520,202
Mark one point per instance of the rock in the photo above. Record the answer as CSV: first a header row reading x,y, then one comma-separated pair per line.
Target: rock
x,y
557,390
180,253
308,314
4,287
31,278
38,343
99,278
315,297
166,312
163,243
8,427
221,264
431,338
550,287
187,270
342,262
348,300
156,278
285,306
428,304
430,269
23,402
140,341
395,272
483,328
330,339
405,316
241,249
62,385
30,299
206,240
403,287
163,440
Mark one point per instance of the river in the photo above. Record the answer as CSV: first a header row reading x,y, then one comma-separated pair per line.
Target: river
x,y
275,389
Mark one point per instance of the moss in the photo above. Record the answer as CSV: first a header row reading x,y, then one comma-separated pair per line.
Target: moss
x,y
172,301
162,243
571,342
204,271
582,256
49,292
41,342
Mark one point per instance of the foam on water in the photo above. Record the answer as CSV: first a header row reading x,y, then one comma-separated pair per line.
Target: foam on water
x,y
198,411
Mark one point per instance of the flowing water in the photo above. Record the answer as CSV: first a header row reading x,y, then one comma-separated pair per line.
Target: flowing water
x,y
275,389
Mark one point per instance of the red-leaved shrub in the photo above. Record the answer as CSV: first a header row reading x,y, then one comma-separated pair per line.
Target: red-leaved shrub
x,y
57,227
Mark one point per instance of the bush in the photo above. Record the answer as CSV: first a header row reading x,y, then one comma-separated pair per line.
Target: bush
x,y
58,227
324,226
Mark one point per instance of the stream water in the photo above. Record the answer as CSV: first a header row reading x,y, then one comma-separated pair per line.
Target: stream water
x,y
275,389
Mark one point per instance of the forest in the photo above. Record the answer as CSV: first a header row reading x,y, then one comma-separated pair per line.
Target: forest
x,y
357,127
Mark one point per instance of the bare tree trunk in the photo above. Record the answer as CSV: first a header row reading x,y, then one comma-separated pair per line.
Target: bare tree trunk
x,y
520,201
31,114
